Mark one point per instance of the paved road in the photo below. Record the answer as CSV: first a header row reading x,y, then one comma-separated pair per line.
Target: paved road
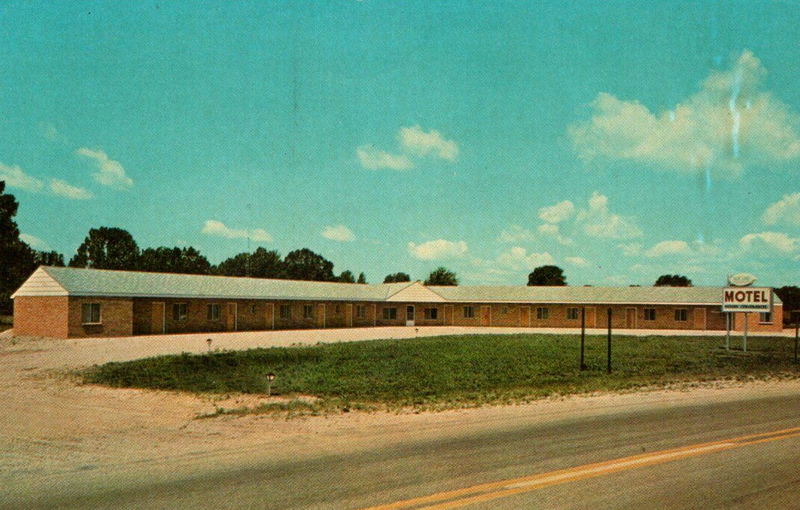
x,y
742,453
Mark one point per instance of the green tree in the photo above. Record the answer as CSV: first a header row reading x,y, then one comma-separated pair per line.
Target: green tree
x,y
672,280
261,263
442,276
304,264
16,257
48,258
547,275
107,248
173,260
361,278
790,295
347,277
396,278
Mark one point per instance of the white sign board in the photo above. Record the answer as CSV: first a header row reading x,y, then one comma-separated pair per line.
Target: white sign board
x,y
747,299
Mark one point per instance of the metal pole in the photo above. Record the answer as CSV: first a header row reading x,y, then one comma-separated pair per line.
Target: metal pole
x,y
744,338
728,316
796,332
583,336
608,369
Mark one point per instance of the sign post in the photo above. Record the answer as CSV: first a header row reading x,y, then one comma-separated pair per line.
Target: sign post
x,y
746,299
583,336
608,368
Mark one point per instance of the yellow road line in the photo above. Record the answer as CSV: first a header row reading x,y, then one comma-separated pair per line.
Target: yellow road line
x,y
493,490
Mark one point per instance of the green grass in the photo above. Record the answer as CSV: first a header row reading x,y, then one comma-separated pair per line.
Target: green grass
x,y
452,371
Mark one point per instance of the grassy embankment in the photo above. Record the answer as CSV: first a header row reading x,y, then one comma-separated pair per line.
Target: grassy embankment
x,y
449,371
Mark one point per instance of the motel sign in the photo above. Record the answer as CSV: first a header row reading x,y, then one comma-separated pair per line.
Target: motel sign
x,y
747,299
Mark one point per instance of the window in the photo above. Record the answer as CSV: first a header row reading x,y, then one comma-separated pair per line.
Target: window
x,y
338,310
213,312
286,312
504,310
179,311
649,314
681,315
389,314
469,312
572,314
308,311
253,309
765,317
431,313
542,313
90,313
361,311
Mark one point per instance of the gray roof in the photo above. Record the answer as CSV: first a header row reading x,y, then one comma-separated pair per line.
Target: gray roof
x,y
54,281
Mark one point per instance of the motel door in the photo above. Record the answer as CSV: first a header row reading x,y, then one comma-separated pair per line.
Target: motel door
x,y
486,315
525,316
591,317
230,317
158,323
448,315
699,318
410,315
630,318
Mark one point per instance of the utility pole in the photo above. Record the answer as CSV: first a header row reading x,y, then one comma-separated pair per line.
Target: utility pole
x,y
608,368
583,337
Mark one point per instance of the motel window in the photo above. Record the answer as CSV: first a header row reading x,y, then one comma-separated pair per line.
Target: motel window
x,y
361,311
389,314
542,313
681,315
308,311
765,317
431,313
469,312
253,309
286,312
90,313
504,310
213,312
649,314
338,309
572,314
179,311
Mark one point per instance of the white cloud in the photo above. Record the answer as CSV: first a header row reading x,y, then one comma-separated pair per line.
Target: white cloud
x,y
577,261
16,178
111,173
554,231
217,228
785,210
726,124
599,221
769,241
557,213
669,248
418,142
438,249
515,234
34,242
630,249
338,233
518,259
66,190
372,158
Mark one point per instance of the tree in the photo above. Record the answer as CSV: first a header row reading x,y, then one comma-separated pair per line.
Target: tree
x,y
173,260
442,276
304,264
547,275
16,257
396,278
672,280
790,295
347,277
361,278
107,248
48,258
260,264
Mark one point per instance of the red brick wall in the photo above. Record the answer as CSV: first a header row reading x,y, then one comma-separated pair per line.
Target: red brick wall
x,y
754,321
41,316
116,317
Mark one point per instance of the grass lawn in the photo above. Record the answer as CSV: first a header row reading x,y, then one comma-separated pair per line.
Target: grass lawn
x,y
453,371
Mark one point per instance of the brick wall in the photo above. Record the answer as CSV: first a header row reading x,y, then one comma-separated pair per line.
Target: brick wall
x,y
116,317
754,321
41,316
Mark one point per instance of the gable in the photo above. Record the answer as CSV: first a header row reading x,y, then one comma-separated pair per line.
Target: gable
x,y
40,284
416,293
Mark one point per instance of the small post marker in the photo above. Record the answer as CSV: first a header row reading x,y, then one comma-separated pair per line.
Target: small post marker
x,y
744,338
608,368
796,334
270,378
728,331
583,335
209,344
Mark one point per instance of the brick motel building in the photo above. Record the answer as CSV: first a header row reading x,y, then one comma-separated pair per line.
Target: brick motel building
x,y
64,302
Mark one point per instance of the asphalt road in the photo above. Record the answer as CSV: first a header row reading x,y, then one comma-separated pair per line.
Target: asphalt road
x,y
742,454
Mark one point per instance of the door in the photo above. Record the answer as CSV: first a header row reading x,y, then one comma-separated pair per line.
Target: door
x,y
699,318
348,310
410,315
448,315
525,316
321,319
269,318
231,318
158,318
630,318
486,315
591,317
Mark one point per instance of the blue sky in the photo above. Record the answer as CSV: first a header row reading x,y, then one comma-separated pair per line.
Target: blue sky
x,y
618,140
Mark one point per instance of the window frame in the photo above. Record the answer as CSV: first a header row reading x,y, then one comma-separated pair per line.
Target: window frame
x,y
763,320
469,312
177,316
681,312
287,309
210,315
542,313
431,314
91,307
308,311
573,310
648,312
390,313
361,312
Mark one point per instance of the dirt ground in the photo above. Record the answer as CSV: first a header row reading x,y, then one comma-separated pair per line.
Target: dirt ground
x,y
51,426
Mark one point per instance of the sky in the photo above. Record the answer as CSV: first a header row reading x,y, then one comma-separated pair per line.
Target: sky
x,y
619,140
